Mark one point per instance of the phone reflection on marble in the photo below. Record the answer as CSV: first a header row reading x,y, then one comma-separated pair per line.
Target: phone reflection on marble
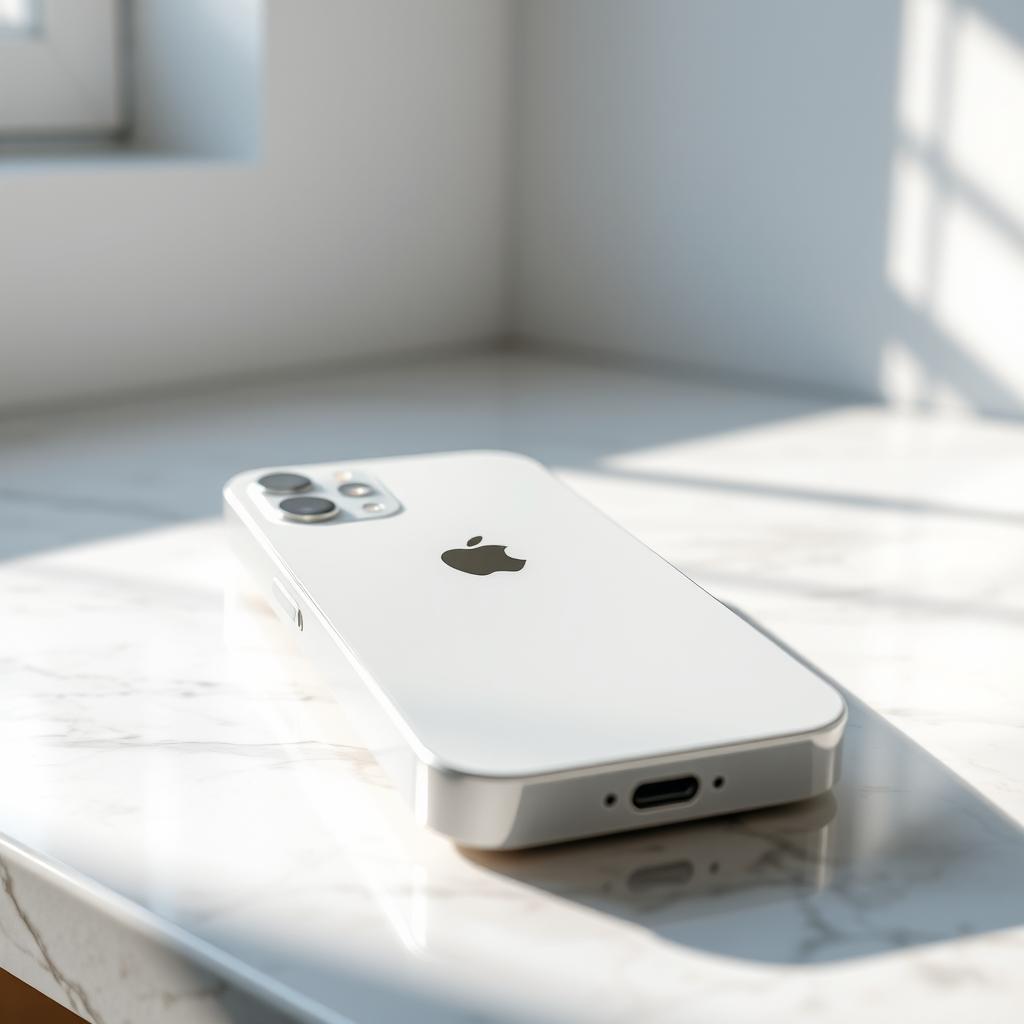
x,y
765,856
689,883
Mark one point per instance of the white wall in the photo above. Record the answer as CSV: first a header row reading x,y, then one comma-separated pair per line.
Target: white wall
x,y
828,193
372,221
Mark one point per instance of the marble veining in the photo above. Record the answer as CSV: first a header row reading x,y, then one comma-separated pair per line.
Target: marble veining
x,y
191,831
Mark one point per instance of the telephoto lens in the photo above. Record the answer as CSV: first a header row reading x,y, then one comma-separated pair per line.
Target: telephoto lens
x,y
308,509
285,483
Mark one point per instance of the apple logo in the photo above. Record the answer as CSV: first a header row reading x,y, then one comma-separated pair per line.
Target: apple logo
x,y
481,561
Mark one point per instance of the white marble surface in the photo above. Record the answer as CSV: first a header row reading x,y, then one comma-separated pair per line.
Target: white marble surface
x,y
189,827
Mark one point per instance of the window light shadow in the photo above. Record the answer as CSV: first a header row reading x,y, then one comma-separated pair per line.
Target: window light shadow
x,y
817,496
955,261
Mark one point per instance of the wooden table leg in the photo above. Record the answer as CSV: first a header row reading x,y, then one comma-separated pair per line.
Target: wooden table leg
x,y
22,1004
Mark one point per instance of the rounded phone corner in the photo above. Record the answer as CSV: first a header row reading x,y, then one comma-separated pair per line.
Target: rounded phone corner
x,y
473,810
830,732
228,493
238,480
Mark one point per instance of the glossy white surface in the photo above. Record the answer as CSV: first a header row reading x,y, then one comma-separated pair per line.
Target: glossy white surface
x,y
595,651
161,737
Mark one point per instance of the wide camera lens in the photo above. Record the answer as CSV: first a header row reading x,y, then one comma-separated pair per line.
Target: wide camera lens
x,y
284,483
308,509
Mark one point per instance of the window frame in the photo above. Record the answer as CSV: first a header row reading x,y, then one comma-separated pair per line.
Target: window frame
x,y
64,76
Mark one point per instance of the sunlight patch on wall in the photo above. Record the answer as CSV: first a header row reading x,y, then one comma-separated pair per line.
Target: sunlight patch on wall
x,y
908,383
913,199
904,378
985,138
920,71
955,249
17,16
979,292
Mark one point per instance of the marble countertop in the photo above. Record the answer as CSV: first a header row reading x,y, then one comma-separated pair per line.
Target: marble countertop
x,y
191,832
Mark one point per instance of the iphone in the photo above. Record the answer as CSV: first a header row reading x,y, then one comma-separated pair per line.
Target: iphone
x,y
524,669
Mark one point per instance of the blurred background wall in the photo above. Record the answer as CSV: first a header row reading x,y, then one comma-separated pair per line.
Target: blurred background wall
x,y
823,195
369,219
830,194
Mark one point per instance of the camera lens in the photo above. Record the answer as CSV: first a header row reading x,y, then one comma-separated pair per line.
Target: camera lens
x,y
356,490
308,509
285,483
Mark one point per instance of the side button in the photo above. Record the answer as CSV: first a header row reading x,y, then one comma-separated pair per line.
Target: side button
x,y
285,603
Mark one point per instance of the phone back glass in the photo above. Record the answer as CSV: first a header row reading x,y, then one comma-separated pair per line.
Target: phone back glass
x,y
594,651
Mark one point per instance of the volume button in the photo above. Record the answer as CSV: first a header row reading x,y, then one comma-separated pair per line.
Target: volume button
x,y
285,604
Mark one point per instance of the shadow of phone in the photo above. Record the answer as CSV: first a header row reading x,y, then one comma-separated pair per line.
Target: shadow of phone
x,y
902,852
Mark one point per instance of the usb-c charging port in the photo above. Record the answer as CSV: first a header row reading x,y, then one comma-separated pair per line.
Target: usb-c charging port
x,y
666,791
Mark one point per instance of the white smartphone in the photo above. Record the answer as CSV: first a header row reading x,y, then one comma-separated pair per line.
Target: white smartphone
x,y
524,669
